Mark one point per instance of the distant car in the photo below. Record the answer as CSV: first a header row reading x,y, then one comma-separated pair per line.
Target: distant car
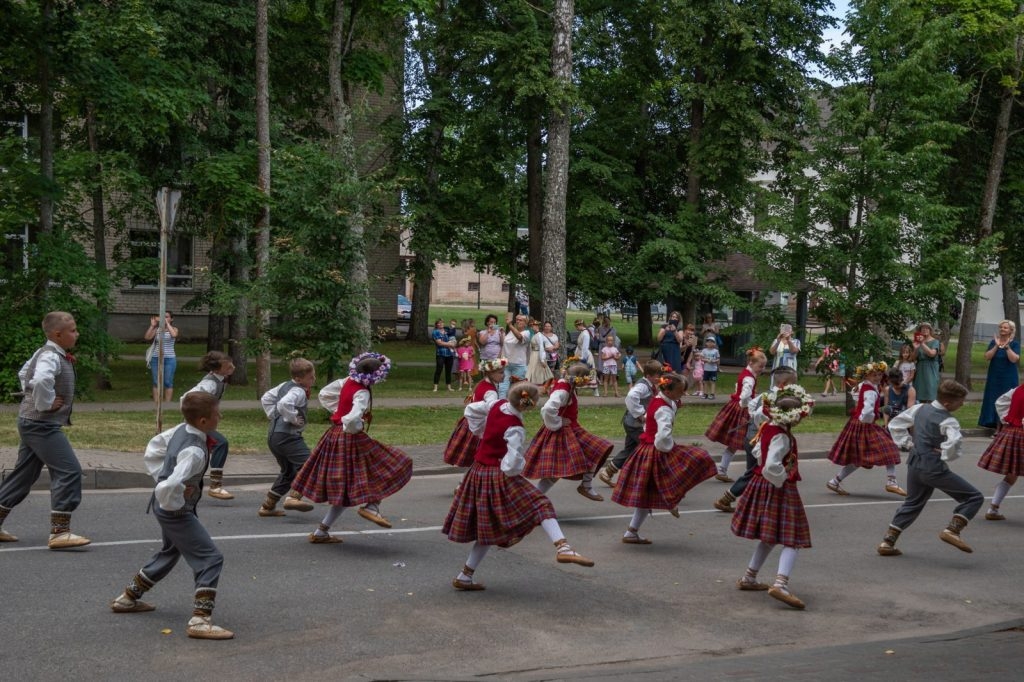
x,y
404,308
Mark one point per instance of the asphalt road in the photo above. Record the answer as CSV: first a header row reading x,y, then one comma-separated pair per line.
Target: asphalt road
x,y
380,605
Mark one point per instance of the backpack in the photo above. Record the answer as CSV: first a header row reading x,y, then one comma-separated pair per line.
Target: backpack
x,y
595,343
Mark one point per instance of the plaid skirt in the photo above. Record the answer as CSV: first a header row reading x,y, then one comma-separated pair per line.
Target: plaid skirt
x,y
729,426
772,515
352,469
652,479
569,452
1005,454
494,509
462,445
865,445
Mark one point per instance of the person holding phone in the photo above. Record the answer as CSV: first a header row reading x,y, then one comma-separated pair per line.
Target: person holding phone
x,y
670,341
785,348
489,339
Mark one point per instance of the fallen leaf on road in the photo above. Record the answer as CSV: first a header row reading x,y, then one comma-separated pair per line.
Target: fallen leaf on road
x,y
165,631
889,652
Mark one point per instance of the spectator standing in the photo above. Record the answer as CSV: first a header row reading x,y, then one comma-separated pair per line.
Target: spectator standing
x,y
444,354
1003,356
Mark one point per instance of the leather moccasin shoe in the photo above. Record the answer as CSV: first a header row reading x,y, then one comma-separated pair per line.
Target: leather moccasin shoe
x,y
752,585
786,597
989,516
373,516
324,539
589,494
200,627
293,504
7,537
67,540
262,511
124,605
220,494
467,585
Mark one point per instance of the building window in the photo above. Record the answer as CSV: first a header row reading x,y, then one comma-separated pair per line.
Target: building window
x,y
474,286
504,287
12,252
144,248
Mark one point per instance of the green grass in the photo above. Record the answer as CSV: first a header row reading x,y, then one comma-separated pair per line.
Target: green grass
x,y
247,429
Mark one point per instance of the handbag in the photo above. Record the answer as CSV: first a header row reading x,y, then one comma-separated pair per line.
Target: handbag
x,y
150,352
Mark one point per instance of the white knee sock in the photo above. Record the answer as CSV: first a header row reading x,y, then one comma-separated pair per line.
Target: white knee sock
x,y
846,471
726,461
332,515
760,554
544,484
890,471
639,516
786,560
588,481
1001,489
476,555
554,531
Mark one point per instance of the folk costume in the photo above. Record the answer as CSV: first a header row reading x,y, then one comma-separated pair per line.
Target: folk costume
x,y
462,445
562,448
660,472
638,398
347,467
177,459
770,509
862,442
214,384
495,504
285,406
936,440
1005,454
48,375
730,424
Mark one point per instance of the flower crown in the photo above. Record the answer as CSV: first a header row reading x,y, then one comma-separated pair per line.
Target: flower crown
x,y
869,367
488,366
792,415
369,378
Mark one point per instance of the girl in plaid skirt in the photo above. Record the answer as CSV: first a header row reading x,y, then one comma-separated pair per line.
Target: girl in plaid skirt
x,y
770,509
562,448
862,442
660,473
730,424
1005,455
347,467
463,444
495,505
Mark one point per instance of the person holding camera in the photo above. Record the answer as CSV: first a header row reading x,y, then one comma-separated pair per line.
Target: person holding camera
x,y
167,339
489,339
785,348
670,341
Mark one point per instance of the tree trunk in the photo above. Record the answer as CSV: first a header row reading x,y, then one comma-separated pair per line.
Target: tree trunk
x,y
238,324
344,153
99,234
261,314
46,141
419,324
989,201
645,337
535,209
553,248
1011,293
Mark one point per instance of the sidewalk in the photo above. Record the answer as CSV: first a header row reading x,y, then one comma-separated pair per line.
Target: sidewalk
x,y
106,469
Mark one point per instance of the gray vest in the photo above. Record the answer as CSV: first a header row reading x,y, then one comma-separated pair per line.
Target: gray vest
x,y
194,486
278,425
221,385
926,451
632,422
63,385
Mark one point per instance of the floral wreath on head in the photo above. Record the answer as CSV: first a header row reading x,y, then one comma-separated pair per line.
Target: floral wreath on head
x,y
793,415
582,379
493,365
869,367
369,378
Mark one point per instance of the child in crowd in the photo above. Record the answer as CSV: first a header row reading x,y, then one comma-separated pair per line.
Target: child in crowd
x,y
347,467
932,434
828,364
285,405
630,365
1005,454
710,358
781,376
462,445
177,459
495,505
862,443
899,396
218,367
610,366
562,448
730,424
637,400
697,374
908,363
660,472
771,511
467,361
48,383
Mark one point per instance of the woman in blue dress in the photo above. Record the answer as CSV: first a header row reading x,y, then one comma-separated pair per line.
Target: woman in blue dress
x,y
1003,357
670,341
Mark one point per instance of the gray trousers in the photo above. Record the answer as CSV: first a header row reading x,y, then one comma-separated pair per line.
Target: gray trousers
x,y
632,443
923,480
44,444
752,461
219,451
291,452
184,536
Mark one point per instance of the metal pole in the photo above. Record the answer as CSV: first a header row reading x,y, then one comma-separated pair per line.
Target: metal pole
x,y
478,291
165,213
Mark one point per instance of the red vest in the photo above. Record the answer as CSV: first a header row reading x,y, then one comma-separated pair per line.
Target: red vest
x,y
739,384
1016,414
862,390
790,460
650,423
571,411
349,388
481,390
493,446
